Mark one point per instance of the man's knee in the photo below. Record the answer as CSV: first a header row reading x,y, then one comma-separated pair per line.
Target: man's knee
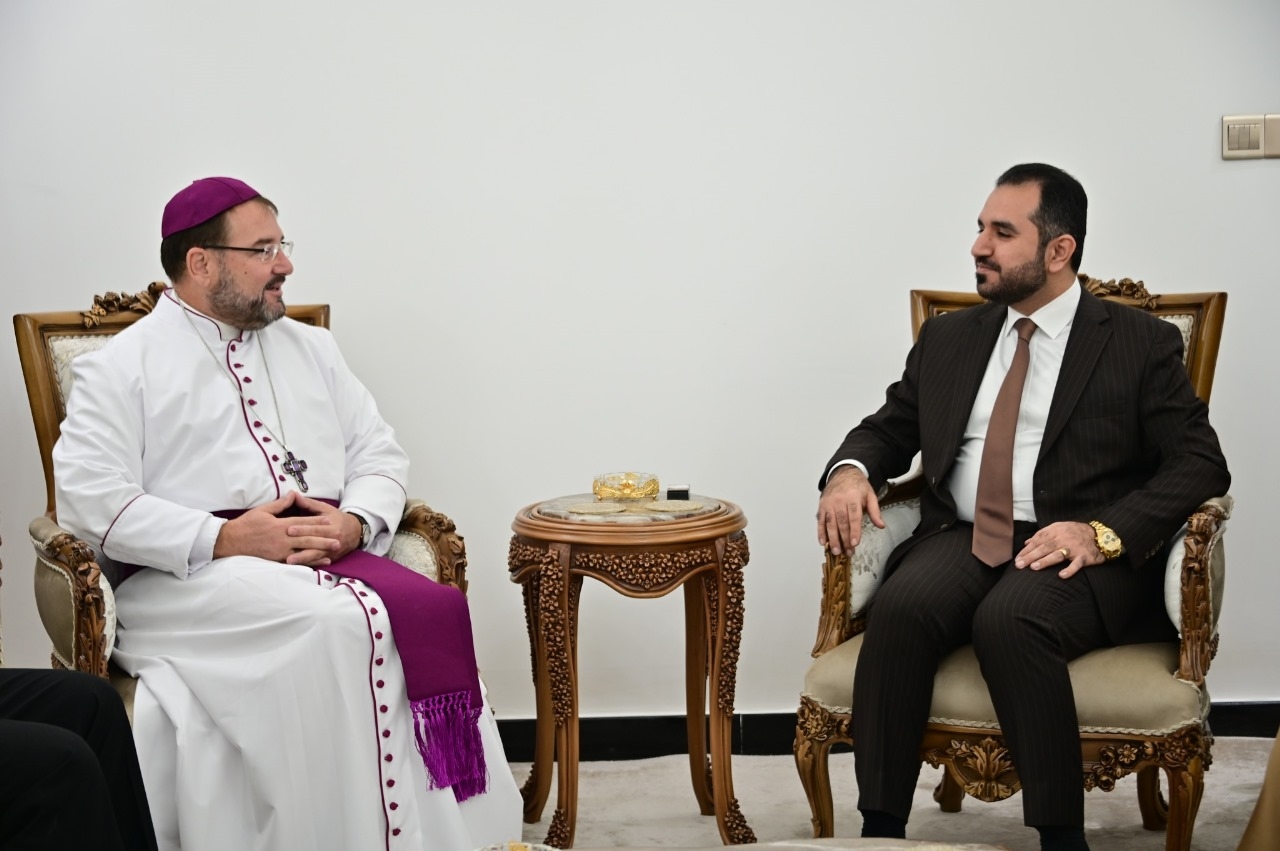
x,y
80,702
896,605
100,693
51,754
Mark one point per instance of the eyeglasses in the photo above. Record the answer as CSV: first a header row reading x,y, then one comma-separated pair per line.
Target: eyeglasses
x,y
266,253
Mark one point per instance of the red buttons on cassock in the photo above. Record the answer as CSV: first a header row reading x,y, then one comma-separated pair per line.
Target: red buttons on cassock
x,y
382,708
266,440
253,401
380,683
257,424
373,611
248,380
328,578
393,806
395,832
387,758
377,635
237,365
386,734
275,457
390,783
282,478
378,661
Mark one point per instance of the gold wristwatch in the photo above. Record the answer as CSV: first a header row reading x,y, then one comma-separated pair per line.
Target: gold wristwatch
x,y
1109,543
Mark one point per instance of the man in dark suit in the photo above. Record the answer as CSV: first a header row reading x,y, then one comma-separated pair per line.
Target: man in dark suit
x,y
69,776
1110,450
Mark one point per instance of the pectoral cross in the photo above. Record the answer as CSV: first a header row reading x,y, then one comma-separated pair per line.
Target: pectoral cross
x,y
295,467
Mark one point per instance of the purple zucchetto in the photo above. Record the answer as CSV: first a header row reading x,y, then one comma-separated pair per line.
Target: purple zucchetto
x,y
203,200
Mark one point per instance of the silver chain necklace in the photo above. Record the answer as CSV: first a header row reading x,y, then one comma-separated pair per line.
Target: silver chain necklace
x,y
293,466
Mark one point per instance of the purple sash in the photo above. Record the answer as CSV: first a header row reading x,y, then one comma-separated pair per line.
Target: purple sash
x,y
432,629
431,625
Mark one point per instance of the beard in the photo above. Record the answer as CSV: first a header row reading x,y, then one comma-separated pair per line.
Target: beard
x,y
245,312
1015,285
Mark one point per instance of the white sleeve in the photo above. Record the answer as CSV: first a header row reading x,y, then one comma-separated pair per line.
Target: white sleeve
x,y
377,468
97,464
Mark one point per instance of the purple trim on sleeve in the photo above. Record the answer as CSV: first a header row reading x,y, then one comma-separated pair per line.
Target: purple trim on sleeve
x,y
103,545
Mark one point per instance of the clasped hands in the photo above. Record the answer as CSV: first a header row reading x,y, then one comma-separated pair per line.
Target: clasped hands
x,y
848,496
317,539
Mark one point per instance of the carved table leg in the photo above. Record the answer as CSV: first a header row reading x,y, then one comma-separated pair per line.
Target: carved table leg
x,y
558,618
726,606
539,783
695,691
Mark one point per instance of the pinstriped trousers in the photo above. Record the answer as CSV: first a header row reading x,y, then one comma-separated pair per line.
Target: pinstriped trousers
x,y
1024,625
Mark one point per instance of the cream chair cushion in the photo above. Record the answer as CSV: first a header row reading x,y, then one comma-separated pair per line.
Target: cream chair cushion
x,y
415,553
1103,680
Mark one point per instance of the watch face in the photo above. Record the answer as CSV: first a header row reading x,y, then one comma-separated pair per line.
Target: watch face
x,y
1107,540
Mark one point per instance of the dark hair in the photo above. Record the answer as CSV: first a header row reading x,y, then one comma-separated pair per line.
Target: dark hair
x,y
174,247
1064,207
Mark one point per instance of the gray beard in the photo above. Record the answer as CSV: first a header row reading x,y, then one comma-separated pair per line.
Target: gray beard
x,y
231,306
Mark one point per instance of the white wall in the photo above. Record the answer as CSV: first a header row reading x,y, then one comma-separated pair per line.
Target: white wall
x,y
563,238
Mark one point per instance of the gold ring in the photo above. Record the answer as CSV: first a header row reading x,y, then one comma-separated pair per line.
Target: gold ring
x,y
1066,553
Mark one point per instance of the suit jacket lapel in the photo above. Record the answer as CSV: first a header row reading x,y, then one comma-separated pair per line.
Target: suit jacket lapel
x,y
967,369
1090,330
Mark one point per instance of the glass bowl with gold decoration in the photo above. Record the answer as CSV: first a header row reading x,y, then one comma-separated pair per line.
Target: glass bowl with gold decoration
x,y
622,486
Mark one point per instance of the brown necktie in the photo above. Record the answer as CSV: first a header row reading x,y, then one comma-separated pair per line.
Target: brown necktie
x,y
993,511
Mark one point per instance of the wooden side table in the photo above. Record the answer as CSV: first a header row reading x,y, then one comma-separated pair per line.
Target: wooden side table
x,y
642,553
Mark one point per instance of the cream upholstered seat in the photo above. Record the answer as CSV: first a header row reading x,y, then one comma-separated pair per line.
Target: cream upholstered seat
x,y
74,599
1142,708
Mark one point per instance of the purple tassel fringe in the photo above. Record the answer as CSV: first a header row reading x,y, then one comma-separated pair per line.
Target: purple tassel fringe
x,y
447,728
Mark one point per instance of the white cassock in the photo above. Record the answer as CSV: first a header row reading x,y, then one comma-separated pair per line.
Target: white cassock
x,y
271,711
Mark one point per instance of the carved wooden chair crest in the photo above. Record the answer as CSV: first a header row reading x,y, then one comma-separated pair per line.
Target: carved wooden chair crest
x,y
1142,708
74,599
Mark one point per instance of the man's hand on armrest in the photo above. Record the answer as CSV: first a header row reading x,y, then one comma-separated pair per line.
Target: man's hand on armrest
x,y
847,496
315,540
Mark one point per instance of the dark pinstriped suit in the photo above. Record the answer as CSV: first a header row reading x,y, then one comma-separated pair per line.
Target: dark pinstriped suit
x,y
1127,442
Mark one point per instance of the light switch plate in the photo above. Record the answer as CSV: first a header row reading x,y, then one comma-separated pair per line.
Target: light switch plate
x,y
1271,136
1242,137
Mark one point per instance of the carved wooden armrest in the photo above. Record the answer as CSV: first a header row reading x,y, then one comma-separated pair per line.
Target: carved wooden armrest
x,y
69,597
1203,570
441,535
834,617
840,616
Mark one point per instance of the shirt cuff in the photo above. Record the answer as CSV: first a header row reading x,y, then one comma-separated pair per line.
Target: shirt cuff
x,y
376,526
202,548
848,463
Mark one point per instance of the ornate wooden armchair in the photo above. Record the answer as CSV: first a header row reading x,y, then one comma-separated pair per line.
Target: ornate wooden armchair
x,y
1142,708
74,599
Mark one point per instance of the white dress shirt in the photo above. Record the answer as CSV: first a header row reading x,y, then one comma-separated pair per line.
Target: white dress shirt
x,y
1048,344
